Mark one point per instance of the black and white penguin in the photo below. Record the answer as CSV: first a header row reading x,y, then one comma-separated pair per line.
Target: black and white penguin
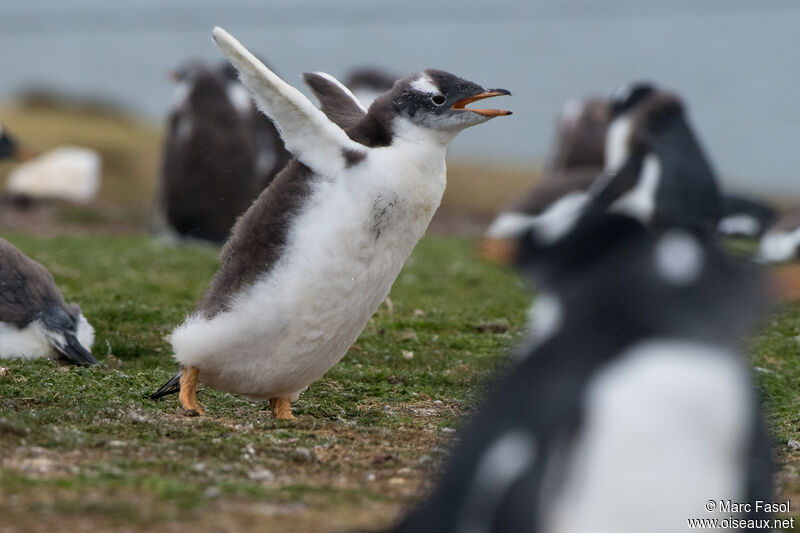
x,y
631,406
368,83
744,216
781,243
313,258
35,321
208,168
656,169
576,160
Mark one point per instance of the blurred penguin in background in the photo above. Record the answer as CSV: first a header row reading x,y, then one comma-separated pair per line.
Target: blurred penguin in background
x,y
632,403
270,154
745,216
219,154
576,160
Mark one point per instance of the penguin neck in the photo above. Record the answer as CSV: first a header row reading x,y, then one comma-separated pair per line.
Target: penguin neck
x,y
419,139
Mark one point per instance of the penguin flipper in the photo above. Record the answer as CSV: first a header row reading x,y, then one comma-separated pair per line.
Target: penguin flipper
x,y
315,140
173,386
67,344
337,101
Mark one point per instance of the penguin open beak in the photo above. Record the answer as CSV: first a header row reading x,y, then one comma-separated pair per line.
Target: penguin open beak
x,y
461,104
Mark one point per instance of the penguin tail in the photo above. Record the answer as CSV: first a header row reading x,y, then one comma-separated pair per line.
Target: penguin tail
x,y
172,386
67,344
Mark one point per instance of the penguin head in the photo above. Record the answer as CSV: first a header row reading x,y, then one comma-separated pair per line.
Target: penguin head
x,y
437,100
639,112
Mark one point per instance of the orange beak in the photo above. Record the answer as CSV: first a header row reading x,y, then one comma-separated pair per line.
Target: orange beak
x,y
461,104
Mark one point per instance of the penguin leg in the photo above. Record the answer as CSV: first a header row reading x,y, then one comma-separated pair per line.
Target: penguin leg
x,y
281,408
188,393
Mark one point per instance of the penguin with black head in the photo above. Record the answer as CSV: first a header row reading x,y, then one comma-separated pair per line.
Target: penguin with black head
x,y
312,259
656,169
632,403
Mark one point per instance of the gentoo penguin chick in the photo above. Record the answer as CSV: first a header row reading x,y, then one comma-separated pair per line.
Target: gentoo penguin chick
x,y
313,258
35,321
575,162
632,403
270,154
744,216
368,83
208,168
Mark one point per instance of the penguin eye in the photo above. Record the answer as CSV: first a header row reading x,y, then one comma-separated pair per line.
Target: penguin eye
x,y
438,99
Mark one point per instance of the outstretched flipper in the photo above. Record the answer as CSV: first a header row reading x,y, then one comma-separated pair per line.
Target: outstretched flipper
x,y
335,100
173,386
314,139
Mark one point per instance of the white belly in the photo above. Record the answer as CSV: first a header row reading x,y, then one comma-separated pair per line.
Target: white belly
x,y
345,250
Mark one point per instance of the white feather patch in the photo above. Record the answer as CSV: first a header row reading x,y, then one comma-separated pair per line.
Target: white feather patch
x,y
679,257
424,84
30,342
779,246
665,430
68,173
640,202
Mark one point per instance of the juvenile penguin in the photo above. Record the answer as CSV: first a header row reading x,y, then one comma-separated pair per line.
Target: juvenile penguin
x,y
575,161
35,321
209,158
632,403
316,254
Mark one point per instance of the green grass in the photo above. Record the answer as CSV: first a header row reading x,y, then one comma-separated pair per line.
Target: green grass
x,y
362,428
86,442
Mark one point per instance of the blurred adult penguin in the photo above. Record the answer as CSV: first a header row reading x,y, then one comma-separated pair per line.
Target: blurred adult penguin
x,y
35,321
630,406
576,160
208,171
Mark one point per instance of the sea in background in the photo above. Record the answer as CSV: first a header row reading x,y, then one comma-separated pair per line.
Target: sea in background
x,y
735,62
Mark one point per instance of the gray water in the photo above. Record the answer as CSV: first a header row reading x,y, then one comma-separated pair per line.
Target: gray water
x,y
735,62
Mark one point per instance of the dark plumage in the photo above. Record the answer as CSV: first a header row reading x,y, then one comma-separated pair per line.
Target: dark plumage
x,y
656,168
616,404
35,321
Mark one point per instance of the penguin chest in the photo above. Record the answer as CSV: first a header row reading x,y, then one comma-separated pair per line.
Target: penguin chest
x,y
344,250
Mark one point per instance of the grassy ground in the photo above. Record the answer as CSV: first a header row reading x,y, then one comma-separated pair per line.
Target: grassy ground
x,y
85,446
83,449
